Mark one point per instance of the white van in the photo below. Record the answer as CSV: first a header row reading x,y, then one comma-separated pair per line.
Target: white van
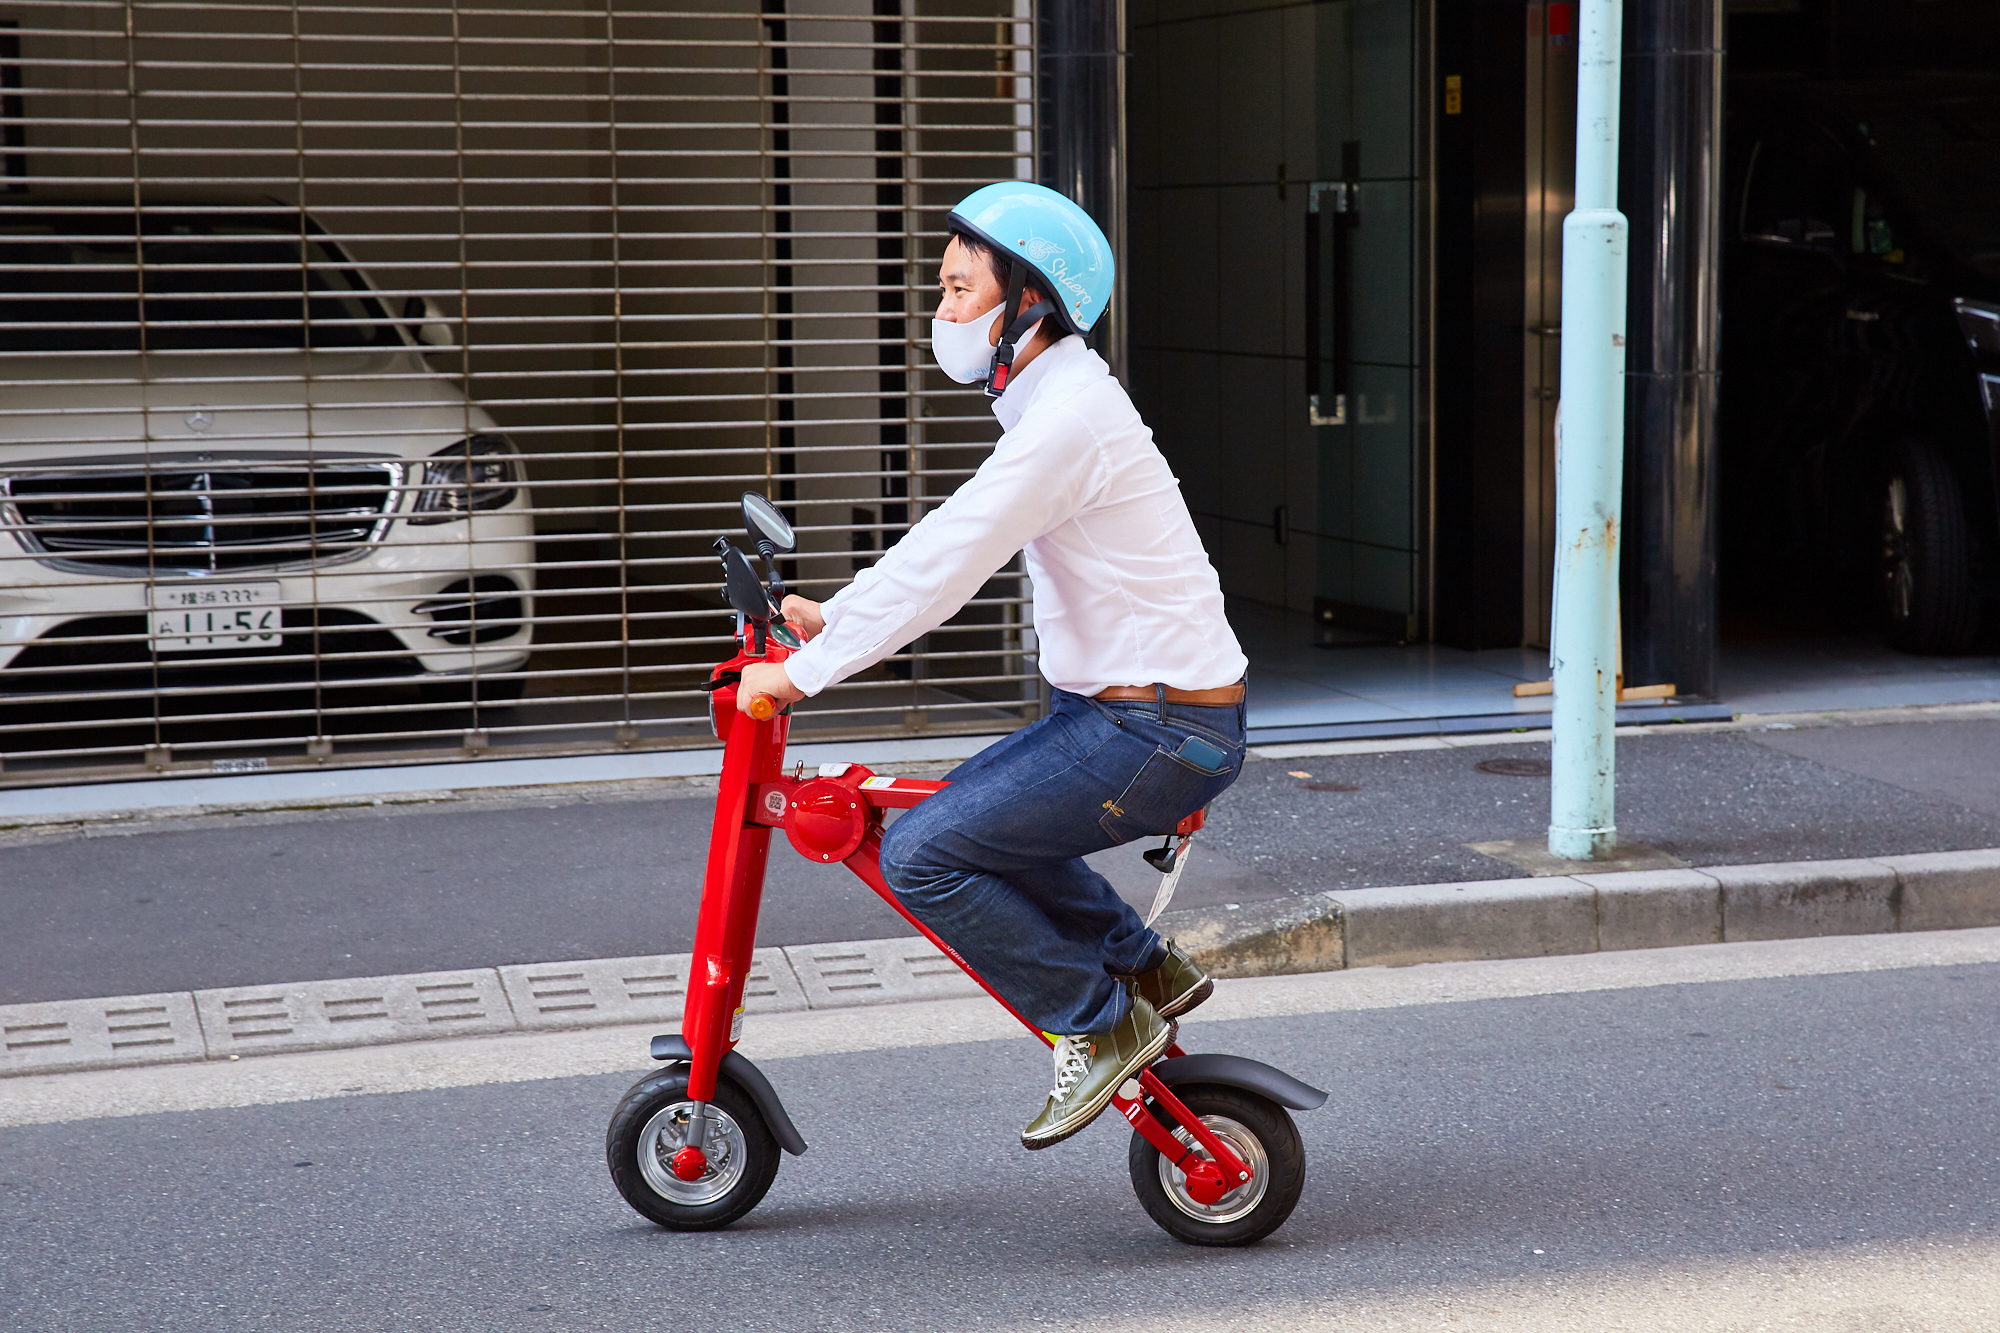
x,y
218,446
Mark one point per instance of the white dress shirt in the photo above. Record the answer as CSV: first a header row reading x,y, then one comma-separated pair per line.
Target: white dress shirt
x,y
1123,591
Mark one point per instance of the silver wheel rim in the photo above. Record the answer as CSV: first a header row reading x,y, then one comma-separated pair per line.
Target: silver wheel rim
x,y
666,1134
1239,1202
1896,548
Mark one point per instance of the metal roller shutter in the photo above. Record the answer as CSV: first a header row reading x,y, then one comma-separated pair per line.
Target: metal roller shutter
x,y
374,377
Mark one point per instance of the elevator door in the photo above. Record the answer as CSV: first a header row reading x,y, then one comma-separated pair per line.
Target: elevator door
x,y
1275,214
1550,194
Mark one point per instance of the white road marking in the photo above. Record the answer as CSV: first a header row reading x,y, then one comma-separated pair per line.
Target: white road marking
x,y
524,1057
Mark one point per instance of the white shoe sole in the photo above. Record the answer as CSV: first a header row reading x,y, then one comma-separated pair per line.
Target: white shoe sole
x,y
1193,997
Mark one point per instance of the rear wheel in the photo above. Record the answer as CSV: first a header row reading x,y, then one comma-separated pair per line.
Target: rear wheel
x,y
651,1125
1929,594
1257,1130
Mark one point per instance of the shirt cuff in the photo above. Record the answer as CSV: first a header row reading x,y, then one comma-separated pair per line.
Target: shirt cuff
x,y
804,672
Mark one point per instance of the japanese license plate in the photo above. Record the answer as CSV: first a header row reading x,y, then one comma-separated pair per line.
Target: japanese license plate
x,y
216,617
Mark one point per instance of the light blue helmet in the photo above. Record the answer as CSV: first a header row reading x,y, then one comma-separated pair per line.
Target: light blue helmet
x,y
1066,251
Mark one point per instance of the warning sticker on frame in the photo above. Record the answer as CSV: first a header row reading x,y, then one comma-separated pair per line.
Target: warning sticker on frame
x,y
878,782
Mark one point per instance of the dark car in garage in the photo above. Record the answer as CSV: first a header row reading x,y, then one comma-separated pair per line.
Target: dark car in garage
x,y
1861,352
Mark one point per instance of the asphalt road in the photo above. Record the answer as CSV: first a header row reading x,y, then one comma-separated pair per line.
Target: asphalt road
x,y
1479,1161
312,895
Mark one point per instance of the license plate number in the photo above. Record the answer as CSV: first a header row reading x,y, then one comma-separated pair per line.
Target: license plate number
x,y
216,617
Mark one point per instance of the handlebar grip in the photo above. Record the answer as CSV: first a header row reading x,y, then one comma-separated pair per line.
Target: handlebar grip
x,y
762,707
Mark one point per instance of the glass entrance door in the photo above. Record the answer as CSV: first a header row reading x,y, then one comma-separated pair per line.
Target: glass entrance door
x,y
1276,336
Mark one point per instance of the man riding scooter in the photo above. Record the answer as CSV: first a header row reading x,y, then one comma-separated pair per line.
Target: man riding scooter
x,y
1147,719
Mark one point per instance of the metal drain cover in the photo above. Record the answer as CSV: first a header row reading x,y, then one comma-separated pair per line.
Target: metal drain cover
x,y
1514,768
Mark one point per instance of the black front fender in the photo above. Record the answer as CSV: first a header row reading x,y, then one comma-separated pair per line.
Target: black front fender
x,y
748,1077
1237,1071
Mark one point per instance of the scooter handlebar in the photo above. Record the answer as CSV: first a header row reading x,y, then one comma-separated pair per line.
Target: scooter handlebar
x,y
762,707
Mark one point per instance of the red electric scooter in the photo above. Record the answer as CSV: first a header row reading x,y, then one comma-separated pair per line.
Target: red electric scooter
x,y
1215,1159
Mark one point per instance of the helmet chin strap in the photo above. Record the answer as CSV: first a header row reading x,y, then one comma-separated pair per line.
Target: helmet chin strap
x,y
1013,328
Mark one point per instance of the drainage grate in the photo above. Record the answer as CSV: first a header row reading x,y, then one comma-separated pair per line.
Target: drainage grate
x,y
98,1034
876,972
365,1011
607,991
358,1011
1514,768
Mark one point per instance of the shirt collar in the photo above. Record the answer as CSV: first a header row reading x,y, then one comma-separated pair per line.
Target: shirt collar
x,y
1012,405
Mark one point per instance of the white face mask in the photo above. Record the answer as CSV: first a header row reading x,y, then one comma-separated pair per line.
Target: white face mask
x,y
961,350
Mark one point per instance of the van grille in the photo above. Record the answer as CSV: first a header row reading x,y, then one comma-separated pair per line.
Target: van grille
x,y
202,518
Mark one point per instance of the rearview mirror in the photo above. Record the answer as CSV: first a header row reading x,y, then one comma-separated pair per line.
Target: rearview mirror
x,y
767,527
427,322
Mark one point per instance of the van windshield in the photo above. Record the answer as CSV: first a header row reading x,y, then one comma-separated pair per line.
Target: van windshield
x,y
1945,154
71,282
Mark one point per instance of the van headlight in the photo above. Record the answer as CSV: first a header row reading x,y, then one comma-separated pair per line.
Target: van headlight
x,y
482,471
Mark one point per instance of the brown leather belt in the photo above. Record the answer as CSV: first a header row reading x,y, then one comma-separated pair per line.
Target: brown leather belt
x,y
1220,697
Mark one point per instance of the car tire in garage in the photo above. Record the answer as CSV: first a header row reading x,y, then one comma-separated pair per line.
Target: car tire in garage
x,y
1930,599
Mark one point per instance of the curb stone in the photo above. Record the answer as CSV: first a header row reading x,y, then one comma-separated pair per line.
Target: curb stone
x,y
1321,932
1267,939
1945,890
1634,909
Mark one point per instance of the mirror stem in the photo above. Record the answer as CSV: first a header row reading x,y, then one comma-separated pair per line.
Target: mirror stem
x,y
775,583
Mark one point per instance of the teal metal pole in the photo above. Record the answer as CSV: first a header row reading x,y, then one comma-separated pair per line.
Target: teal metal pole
x,y
1590,457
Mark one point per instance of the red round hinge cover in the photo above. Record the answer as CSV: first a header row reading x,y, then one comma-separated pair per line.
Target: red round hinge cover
x,y
825,822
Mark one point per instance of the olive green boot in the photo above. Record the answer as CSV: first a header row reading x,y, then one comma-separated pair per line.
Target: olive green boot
x,y
1175,986
1089,1069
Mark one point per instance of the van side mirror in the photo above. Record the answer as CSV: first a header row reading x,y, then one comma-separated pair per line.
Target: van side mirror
x,y
429,324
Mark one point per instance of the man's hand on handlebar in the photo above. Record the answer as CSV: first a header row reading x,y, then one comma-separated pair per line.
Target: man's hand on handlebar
x,y
805,616
767,678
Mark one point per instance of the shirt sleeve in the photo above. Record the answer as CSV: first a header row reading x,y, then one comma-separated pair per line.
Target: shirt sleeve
x,y
1036,478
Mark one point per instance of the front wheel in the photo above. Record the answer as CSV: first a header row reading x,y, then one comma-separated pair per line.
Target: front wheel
x,y
651,1125
1257,1130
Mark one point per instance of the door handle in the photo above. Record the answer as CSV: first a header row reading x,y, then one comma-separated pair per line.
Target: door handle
x,y
1326,404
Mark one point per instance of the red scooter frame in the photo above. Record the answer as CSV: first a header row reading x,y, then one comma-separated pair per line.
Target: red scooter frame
x,y
696,1146
836,816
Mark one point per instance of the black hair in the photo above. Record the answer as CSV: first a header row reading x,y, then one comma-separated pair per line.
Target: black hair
x,y
997,262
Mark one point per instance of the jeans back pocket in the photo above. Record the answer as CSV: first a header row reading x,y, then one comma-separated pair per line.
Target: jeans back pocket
x,y
1205,755
1169,786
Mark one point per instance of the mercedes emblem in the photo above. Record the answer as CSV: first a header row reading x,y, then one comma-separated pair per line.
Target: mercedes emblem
x,y
200,420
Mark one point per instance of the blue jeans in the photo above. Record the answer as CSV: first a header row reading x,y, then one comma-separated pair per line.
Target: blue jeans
x,y
994,862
